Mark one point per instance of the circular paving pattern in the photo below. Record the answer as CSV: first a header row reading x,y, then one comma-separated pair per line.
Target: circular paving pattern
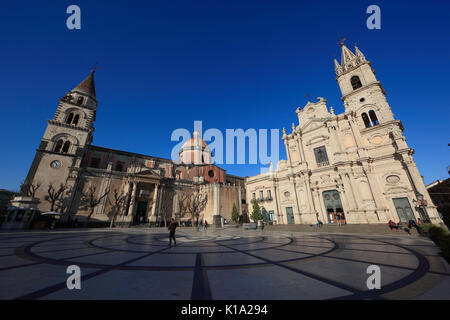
x,y
223,265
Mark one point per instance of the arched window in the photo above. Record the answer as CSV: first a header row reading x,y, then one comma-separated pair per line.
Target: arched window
x,y
66,147
356,83
366,120
373,117
58,146
69,118
80,101
76,119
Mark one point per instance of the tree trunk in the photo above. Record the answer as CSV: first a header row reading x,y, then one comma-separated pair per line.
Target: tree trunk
x,y
113,218
91,212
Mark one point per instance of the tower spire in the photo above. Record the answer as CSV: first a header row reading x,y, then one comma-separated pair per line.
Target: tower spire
x,y
359,54
87,86
347,56
337,67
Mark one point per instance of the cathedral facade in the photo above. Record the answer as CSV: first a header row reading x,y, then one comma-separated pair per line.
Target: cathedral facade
x,y
149,185
355,167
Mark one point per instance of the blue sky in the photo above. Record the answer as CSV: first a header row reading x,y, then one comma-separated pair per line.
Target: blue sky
x,y
231,64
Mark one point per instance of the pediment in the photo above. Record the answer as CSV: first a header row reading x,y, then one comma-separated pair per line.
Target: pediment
x,y
396,190
312,124
316,139
149,173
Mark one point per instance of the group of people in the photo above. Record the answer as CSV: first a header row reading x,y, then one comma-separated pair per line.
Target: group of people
x,y
202,225
411,224
340,218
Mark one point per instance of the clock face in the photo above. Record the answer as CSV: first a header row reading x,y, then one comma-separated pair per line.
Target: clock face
x,y
55,164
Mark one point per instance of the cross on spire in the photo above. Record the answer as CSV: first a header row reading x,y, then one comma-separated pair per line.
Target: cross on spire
x,y
95,67
341,41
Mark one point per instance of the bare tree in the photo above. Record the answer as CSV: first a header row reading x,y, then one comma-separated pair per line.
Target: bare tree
x,y
119,199
192,202
54,195
92,200
29,189
167,205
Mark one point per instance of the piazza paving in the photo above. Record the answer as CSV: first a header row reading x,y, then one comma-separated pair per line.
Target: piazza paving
x,y
229,264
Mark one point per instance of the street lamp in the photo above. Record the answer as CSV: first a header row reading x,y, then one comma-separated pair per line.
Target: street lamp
x,y
422,206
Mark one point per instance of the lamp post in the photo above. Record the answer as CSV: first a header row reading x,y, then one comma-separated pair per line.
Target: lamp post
x,y
422,206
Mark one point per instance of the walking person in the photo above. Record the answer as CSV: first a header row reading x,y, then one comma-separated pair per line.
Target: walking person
x,y
205,225
172,227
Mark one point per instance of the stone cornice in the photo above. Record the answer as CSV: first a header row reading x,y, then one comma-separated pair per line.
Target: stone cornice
x,y
77,105
348,70
70,126
376,83
382,125
57,153
331,167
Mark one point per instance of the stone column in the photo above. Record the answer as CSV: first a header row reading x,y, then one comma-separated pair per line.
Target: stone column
x,y
322,209
317,205
279,217
216,192
311,205
355,192
155,203
296,200
176,206
362,152
350,194
288,153
132,202
240,199
123,208
160,195
376,195
335,143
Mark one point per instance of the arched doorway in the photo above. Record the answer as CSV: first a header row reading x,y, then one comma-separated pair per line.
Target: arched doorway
x,y
333,206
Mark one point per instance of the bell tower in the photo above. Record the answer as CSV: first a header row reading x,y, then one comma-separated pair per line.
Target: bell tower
x,y
64,141
361,91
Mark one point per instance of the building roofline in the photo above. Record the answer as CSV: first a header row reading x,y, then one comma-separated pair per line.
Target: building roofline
x,y
92,147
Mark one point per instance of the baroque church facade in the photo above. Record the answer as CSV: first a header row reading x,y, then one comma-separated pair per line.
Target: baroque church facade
x,y
67,156
355,165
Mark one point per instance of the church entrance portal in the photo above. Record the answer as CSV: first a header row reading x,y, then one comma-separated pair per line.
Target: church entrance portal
x,y
141,212
290,215
333,206
404,210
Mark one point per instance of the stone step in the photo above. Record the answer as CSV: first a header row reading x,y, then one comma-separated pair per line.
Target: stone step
x,y
348,228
